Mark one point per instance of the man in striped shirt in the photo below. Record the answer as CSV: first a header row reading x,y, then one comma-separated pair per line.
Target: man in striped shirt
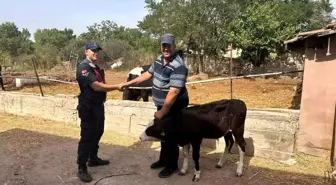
x,y
169,95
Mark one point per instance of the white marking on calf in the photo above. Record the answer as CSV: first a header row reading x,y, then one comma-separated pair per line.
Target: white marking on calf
x,y
143,135
197,175
241,162
136,71
221,160
185,159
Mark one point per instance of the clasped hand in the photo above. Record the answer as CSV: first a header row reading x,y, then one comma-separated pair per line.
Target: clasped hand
x,y
122,86
159,114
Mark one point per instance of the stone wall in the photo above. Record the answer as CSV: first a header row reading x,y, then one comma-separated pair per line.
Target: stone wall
x,y
269,132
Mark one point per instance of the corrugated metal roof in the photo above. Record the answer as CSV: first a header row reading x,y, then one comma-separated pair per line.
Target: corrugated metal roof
x,y
329,30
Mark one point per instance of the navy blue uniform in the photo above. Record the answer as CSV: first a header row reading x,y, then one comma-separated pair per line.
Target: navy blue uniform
x,y
91,110
1,81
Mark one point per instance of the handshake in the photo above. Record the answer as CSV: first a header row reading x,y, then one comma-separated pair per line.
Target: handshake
x,y
122,86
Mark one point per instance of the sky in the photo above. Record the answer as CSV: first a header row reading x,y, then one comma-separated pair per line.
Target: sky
x,y
74,14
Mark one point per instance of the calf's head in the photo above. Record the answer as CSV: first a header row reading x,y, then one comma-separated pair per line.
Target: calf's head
x,y
154,131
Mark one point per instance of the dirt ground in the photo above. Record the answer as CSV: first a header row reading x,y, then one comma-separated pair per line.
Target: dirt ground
x,y
44,152
257,93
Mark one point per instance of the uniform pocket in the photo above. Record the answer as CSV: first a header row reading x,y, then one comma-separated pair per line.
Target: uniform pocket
x,y
84,111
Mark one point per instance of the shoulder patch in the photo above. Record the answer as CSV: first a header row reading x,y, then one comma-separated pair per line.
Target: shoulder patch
x,y
85,72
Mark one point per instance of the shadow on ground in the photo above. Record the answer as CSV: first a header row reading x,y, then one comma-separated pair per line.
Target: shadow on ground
x,y
36,158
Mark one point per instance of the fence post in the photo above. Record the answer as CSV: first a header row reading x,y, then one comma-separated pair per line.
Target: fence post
x,y
230,48
38,80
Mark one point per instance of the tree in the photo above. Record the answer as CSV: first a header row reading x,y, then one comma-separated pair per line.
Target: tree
x,y
53,37
13,41
200,25
26,43
49,46
5,58
264,25
119,41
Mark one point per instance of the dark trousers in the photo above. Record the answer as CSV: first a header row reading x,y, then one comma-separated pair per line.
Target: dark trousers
x,y
1,83
92,128
169,153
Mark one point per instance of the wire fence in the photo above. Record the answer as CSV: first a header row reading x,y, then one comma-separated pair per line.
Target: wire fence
x,y
188,83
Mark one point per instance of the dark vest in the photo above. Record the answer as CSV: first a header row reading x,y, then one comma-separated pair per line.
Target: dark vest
x,y
87,94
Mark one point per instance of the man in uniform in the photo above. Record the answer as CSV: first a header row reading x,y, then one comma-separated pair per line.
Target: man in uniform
x,y
170,96
91,80
1,80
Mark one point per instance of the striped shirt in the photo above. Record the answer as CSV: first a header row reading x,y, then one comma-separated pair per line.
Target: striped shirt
x,y
173,74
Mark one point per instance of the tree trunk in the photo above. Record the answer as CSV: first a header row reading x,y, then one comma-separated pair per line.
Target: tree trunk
x,y
194,63
200,64
258,57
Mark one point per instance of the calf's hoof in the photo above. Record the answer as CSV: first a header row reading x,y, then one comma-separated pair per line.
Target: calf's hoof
x,y
238,174
219,166
182,172
195,178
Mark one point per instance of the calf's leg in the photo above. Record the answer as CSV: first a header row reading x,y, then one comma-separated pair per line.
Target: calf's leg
x,y
196,146
239,137
241,149
131,94
184,169
228,145
144,95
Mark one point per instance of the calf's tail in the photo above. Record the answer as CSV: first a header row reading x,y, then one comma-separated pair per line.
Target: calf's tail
x,y
229,140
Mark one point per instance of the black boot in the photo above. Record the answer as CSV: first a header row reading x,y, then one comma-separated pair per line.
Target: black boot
x,y
97,162
158,164
83,174
167,171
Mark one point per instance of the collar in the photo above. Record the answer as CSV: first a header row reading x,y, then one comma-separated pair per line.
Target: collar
x,y
90,63
170,59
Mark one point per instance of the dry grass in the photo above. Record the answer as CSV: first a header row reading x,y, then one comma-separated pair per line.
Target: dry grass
x,y
257,93
9,121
